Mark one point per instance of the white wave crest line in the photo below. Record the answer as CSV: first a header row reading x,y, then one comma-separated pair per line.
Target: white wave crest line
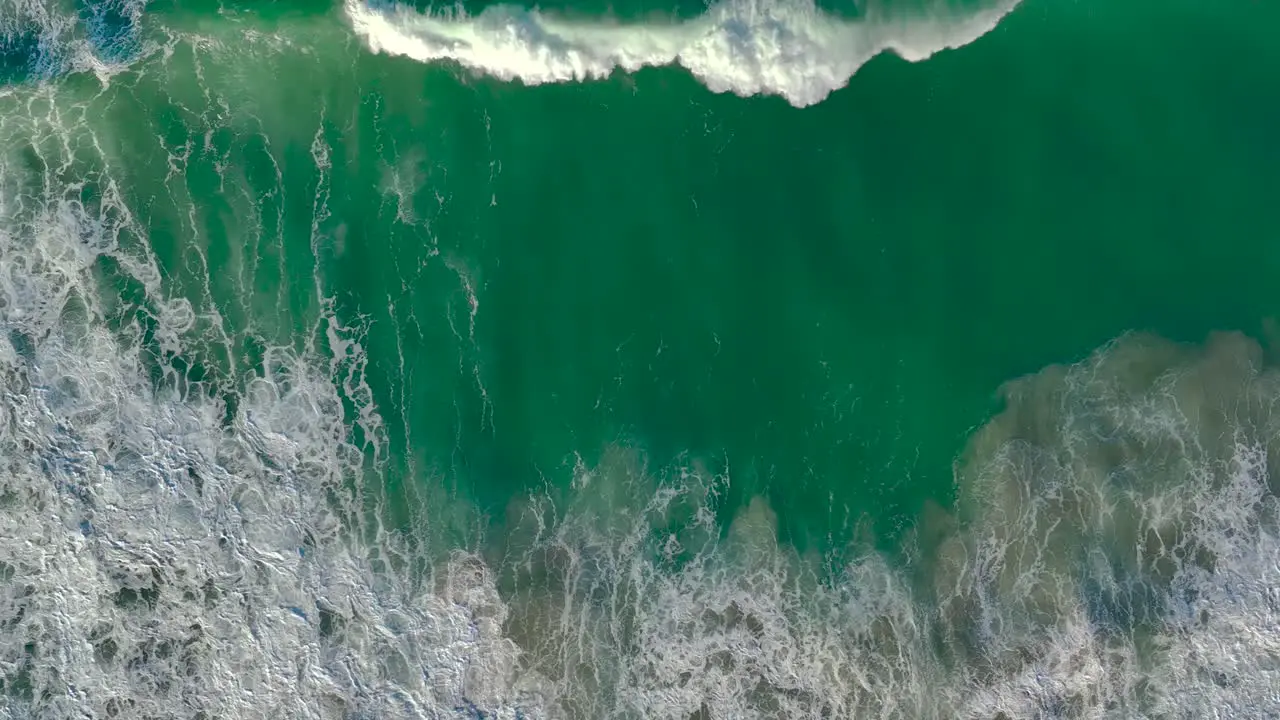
x,y
794,51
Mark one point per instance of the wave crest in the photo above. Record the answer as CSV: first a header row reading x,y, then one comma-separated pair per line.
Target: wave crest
x,y
748,48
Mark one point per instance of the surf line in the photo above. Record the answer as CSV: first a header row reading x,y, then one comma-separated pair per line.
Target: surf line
x,y
745,47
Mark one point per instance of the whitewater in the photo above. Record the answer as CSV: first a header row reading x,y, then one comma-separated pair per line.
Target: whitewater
x,y
793,50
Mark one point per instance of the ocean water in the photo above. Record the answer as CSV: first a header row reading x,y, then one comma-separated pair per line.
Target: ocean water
x,y
632,360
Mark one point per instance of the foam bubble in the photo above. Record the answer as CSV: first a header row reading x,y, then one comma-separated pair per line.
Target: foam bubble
x,y
1115,556
40,39
160,560
748,48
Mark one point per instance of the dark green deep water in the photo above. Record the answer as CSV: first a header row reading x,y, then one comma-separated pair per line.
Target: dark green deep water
x,y
824,299
816,305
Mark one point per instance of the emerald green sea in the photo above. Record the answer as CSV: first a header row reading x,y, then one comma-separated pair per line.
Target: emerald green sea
x,y
632,360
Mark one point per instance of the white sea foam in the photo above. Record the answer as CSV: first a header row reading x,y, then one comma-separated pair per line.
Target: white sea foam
x,y
1118,559
43,39
159,561
741,46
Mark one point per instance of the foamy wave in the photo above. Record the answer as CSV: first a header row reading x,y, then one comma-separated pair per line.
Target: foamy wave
x,y
162,557
40,39
1117,557
748,48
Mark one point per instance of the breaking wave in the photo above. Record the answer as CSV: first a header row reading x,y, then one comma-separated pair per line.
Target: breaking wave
x,y
39,40
796,51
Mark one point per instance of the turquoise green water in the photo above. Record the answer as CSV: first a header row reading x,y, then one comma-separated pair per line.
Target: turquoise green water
x,y
633,397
